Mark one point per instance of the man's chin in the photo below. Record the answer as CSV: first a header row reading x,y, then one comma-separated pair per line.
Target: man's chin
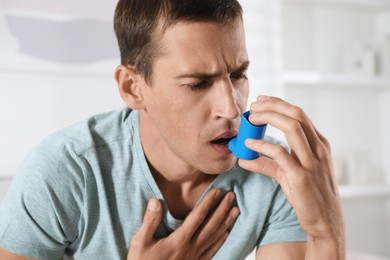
x,y
220,167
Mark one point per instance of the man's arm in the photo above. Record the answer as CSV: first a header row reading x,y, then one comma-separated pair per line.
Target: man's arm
x,y
285,251
298,250
6,255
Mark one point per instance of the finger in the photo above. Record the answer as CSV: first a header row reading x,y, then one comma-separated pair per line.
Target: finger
x,y
293,130
282,160
230,218
263,165
151,221
327,147
281,106
213,249
197,216
266,103
215,219
217,223
282,168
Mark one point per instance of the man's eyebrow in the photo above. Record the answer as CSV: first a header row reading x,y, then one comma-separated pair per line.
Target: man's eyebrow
x,y
204,75
243,67
199,75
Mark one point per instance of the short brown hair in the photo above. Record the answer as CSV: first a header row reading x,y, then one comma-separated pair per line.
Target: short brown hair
x,y
135,23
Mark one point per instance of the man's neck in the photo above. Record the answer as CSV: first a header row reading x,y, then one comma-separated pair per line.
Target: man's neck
x,y
180,184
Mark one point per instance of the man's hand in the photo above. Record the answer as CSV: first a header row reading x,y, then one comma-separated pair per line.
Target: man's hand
x,y
305,175
199,237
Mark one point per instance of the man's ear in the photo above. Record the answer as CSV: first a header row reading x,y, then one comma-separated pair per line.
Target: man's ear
x,y
130,86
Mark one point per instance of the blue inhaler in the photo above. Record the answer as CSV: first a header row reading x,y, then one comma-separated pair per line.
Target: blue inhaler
x,y
247,130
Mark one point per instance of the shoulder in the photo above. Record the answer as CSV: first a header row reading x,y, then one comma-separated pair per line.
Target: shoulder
x,y
92,132
52,187
60,159
67,144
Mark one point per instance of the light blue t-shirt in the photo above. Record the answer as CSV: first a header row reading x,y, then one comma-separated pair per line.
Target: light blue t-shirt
x,y
82,193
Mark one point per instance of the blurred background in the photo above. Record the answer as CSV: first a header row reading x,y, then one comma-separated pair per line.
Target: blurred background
x,y
331,57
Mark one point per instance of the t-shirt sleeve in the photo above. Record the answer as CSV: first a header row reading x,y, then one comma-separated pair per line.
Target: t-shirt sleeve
x,y
40,214
281,224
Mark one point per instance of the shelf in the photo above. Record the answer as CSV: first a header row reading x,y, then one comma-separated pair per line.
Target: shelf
x,y
348,192
376,5
313,79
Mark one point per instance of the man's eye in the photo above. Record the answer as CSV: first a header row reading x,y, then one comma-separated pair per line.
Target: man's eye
x,y
237,76
200,85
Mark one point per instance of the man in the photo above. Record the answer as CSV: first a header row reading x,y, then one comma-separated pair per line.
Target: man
x,y
157,181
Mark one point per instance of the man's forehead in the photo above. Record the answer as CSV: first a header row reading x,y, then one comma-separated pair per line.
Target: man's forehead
x,y
203,47
207,35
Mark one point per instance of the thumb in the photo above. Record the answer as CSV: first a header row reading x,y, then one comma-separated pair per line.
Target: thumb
x,y
151,221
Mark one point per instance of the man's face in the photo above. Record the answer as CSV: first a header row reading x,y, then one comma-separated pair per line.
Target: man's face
x,y
197,94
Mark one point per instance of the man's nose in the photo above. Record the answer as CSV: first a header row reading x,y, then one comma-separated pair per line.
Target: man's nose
x,y
227,101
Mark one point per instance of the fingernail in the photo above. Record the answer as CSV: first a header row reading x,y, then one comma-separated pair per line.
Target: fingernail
x,y
235,212
249,141
261,98
255,105
152,205
232,196
216,193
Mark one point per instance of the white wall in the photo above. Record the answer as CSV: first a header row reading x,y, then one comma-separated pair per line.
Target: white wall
x,y
263,26
35,105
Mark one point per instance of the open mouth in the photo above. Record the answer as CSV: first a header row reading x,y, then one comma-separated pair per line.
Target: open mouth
x,y
224,138
222,141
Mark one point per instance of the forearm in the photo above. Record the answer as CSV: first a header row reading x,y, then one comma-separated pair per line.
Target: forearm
x,y
331,248
329,240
